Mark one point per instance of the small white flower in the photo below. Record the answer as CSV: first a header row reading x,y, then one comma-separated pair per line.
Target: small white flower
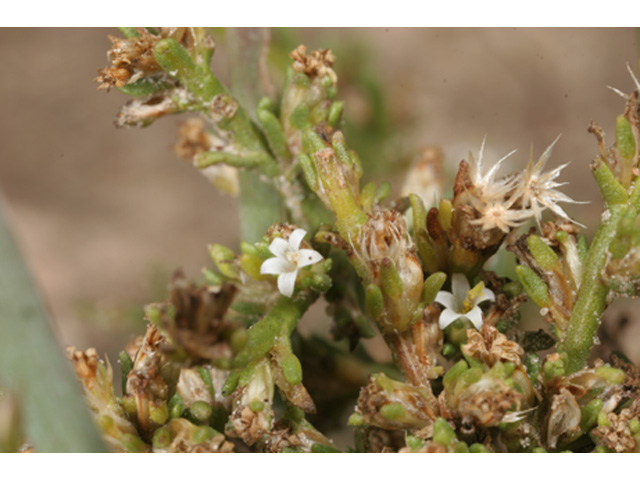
x,y
289,258
463,302
537,189
488,188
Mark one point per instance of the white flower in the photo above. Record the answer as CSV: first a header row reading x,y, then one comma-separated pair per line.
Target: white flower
x,y
463,302
289,258
537,189
489,189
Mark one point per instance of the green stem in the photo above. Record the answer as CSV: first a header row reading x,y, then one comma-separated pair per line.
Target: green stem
x,y
592,296
260,203
280,321
32,365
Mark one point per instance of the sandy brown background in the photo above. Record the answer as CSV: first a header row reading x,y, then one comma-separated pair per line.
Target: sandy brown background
x,y
103,215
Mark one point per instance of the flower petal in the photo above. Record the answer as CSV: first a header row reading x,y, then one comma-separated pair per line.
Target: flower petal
x,y
447,299
296,237
460,286
279,247
484,296
275,266
475,316
307,256
287,283
447,317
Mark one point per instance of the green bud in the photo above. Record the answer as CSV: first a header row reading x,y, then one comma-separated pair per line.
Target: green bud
x,y
292,369
443,433
539,450
200,411
299,116
268,104
374,301
590,414
299,79
238,340
153,312
471,376
543,253
319,113
309,170
161,438
432,286
202,434
390,279
509,368
335,111
129,405
132,443
211,277
419,212
332,91
453,373
611,374
256,405
534,286
478,448
126,364
129,32
602,419
634,426
413,442
176,406
319,448
583,247
159,414
532,364
340,147
104,421
448,350
612,192
273,131
224,258
251,265
382,192
393,411
355,420
357,164
230,383
320,282
460,447
368,195
445,214
553,369
312,142
624,138
364,327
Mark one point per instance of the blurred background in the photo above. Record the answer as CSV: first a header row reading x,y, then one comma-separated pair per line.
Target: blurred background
x,y
104,215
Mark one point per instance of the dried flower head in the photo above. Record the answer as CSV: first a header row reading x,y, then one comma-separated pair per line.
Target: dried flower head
x,y
463,302
131,58
490,346
289,259
537,190
315,64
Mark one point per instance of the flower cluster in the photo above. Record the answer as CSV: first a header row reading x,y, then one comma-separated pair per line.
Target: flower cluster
x,y
508,202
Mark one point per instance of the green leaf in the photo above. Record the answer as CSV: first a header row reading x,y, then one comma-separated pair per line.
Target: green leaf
x,y
32,365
